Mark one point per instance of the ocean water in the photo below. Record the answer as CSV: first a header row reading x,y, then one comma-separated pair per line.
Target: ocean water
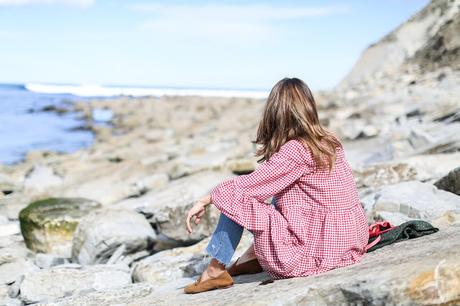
x,y
25,125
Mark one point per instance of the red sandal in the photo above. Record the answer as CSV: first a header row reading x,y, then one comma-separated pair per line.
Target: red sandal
x,y
376,229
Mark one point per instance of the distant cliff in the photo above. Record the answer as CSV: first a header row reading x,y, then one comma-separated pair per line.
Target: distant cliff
x,y
429,40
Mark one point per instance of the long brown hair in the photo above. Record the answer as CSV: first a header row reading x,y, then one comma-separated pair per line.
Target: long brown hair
x,y
290,113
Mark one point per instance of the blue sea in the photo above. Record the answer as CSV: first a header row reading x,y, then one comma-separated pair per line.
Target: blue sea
x,y
25,123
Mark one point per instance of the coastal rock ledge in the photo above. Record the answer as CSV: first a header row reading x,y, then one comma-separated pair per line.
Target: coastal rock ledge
x,y
421,271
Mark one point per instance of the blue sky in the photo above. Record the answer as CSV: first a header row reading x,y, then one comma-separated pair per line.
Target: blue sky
x,y
224,44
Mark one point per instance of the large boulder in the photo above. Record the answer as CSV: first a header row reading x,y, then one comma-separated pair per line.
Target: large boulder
x,y
410,200
166,209
57,282
48,225
100,234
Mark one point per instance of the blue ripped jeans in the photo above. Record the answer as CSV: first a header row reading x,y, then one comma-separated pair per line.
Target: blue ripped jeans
x,y
225,239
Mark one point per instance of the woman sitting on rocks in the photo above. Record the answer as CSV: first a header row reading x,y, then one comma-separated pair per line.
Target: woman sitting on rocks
x,y
315,222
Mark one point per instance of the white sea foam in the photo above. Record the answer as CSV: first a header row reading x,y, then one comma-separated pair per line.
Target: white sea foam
x,y
105,91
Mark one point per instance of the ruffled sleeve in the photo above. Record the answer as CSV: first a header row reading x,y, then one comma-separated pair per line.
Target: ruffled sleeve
x,y
242,198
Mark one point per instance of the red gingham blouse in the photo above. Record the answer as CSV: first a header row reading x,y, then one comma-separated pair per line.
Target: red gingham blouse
x,y
318,223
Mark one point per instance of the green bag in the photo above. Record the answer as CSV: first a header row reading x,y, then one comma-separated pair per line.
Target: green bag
x,y
392,234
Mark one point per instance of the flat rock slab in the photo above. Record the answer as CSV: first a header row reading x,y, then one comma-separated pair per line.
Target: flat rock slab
x,y
410,200
11,270
119,296
50,284
422,271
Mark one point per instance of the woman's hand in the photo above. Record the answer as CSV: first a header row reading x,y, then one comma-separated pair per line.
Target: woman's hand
x,y
197,211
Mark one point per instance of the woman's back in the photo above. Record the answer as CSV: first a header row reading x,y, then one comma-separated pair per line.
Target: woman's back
x,y
318,223
334,190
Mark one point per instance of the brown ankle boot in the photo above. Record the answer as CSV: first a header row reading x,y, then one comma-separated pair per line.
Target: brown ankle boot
x,y
224,280
249,267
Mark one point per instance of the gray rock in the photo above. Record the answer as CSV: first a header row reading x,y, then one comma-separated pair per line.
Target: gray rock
x,y
15,287
436,139
4,291
397,274
429,167
48,225
242,165
357,128
10,228
383,174
109,182
40,179
10,271
101,233
193,162
413,199
111,297
12,302
450,182
11,206
413,39
8,185
167,208
3,220
130,258
6,299
179,264
46,261
58,282
12,249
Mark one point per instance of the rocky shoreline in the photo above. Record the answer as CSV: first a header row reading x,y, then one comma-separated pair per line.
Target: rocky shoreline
x,y
104,225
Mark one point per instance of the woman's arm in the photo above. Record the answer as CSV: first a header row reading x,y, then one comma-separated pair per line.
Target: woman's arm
x,y
242,198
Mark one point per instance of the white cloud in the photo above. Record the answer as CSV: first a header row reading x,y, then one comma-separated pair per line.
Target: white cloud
x,y
213,20
73,3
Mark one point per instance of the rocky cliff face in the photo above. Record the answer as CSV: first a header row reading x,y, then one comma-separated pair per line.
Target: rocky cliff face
x,y
397,114
426,42
403,93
